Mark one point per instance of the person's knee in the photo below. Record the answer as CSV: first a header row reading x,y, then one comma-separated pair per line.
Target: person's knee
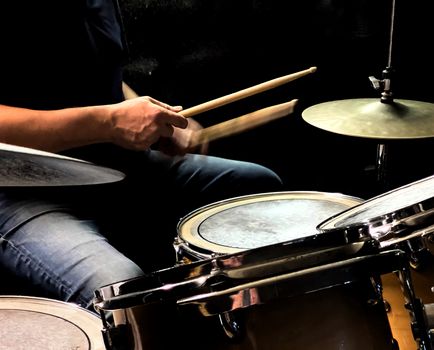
x,y
259,178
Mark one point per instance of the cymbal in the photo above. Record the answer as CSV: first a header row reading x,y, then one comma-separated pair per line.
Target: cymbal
x,y
371,118
27,167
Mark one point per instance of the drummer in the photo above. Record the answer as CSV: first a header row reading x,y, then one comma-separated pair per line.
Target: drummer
x,y
65,96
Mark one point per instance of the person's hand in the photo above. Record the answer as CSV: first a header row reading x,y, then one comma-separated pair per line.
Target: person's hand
x,y
140,122
182,141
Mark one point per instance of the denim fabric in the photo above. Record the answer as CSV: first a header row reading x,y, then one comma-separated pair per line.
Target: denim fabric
x,y
64,255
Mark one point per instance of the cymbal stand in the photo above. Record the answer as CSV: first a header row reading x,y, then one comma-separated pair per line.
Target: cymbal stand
x,y
386,97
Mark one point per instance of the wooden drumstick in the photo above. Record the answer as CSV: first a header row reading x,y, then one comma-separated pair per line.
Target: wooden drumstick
x,y
221,101
129,93
243,123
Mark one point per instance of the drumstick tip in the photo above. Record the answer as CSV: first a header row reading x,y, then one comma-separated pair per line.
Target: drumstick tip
x,y
312,69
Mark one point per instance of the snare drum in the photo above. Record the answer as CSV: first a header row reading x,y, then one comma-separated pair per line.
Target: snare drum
x,y
39,323
253,221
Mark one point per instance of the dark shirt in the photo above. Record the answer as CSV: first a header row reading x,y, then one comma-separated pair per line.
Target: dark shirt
x,y
62,53
57,54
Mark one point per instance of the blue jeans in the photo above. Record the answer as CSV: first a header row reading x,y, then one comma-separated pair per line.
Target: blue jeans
x,y
71,242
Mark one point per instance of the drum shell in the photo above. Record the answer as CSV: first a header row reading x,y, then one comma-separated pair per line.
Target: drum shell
x,y
327,318
337,306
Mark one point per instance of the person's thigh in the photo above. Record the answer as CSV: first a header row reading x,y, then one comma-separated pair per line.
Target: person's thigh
x,y
194,180
64,256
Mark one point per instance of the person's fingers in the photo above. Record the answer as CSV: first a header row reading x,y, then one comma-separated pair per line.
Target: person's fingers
x,y
174,119
170,113
164,105
167,130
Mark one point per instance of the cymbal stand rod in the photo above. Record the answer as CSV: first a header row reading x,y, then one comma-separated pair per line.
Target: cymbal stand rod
x,y
386,95
382,165
392,28
385,83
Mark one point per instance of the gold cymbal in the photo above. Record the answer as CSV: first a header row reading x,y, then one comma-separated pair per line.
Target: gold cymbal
x,y
27,167
371,118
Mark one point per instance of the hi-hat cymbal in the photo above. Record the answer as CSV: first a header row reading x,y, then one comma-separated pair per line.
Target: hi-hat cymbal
x,y
371,118
27,167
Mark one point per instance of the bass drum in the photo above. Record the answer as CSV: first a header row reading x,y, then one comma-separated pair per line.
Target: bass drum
x,y
39,323
254,221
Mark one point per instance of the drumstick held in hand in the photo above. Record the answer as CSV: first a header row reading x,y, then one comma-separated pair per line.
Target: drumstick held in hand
x,y
243,123
221,101
129,93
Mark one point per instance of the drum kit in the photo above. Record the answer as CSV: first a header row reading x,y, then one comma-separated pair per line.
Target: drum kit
x,y
283,270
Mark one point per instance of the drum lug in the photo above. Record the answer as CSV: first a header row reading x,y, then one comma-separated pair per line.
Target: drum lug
x,y
420,324
230,325
417,251
431,339
115,337
395,344
428,239
387,306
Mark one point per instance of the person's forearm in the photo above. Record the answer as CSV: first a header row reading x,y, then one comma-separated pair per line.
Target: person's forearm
x,y
56,130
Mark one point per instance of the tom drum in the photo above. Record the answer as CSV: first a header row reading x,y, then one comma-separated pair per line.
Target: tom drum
x,y
402,218
253,221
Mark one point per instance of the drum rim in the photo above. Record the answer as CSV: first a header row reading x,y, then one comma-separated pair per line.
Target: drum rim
x,y
199,284
385,262
381,226
200,247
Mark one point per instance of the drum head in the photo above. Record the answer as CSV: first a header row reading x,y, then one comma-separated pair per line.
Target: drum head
x,y
39,323
258,220
392,217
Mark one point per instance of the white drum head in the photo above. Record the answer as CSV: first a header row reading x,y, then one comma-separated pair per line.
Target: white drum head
x,y
254,221
39,323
